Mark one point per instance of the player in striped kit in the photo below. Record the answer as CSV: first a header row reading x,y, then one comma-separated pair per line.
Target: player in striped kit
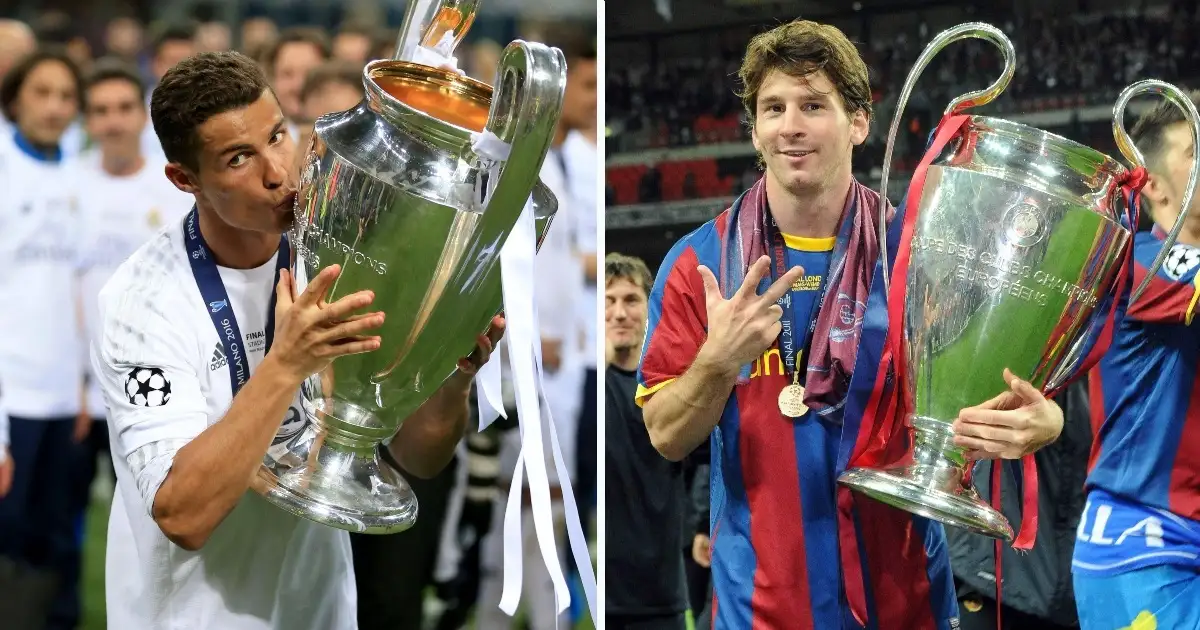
x,y
1137,549
738,321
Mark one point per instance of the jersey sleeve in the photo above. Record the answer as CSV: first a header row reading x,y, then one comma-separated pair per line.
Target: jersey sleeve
x,y
1173,292
150,383
676,325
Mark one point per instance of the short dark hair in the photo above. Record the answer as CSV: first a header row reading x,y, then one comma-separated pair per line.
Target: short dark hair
x,y
113,69
195,90
11,86
631,268
1149,132
174,32
329,73
297,35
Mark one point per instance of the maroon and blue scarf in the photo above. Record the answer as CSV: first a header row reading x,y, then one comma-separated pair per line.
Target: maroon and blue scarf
x,y
835,337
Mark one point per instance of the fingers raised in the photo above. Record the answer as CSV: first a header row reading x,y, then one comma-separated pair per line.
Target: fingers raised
x,y
712,291
342,308
352,345
496,330
1023,388
783,284
754,275
316,290
284,296
352,327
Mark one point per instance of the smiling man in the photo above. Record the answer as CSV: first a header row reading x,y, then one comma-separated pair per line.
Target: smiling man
x,y
761,359
644,493
190,546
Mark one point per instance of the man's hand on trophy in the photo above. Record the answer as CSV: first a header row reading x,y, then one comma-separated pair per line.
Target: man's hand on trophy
x,y
484,344
310,333
743,327
1014,424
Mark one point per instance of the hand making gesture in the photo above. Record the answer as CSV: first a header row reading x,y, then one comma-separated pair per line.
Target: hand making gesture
x,y
743,327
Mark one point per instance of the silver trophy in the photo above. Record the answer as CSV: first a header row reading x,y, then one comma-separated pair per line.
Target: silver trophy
x,y
1017,240
393,192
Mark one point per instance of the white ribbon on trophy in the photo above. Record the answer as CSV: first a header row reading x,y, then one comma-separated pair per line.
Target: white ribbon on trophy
x,y
525,364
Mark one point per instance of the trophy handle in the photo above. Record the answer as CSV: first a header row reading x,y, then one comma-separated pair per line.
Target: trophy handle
x,y
1131,153
969,30
438,25
526,106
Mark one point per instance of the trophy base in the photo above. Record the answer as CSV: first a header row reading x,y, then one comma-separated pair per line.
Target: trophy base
x,y
963,509
932,486
332,476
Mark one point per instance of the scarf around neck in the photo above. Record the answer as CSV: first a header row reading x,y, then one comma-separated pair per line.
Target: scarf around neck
x,y
835,336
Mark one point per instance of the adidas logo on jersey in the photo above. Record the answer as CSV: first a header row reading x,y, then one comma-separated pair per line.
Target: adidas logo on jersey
x,y
218,359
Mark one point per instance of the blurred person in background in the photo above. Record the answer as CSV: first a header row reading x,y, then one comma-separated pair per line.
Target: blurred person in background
x,y
41,350
482,59
578,159
645,498
16,41
291,57
123,39
56,28
128,201
257,34
212,33
171,44
334,86
354,44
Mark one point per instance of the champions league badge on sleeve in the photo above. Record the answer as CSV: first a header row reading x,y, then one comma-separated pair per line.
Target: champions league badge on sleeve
x,y
147,387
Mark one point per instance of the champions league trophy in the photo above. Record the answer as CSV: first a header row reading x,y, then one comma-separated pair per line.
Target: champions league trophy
x,y
1018,239
413,192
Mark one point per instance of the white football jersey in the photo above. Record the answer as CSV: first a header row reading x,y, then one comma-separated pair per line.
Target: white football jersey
x,y
582,159
41,346
119,215
165,379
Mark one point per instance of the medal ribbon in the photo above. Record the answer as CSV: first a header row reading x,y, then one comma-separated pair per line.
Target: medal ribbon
x,y
787,348
216,300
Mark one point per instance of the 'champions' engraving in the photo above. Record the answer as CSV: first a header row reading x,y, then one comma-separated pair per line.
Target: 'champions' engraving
x,y
314,234
998,273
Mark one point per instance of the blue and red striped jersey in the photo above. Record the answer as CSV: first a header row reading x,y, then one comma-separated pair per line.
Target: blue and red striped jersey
x,y
775,559
1143,482
1146,393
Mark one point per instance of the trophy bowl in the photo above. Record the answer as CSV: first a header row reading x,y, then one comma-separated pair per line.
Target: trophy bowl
x,y
1019,238
393,191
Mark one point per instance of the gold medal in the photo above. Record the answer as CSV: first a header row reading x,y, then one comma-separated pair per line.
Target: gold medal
x,y
791,399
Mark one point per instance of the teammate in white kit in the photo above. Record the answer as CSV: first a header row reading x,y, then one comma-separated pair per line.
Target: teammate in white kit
x,y
41,349
192,412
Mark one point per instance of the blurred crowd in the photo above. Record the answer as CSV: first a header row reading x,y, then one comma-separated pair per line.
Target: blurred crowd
x,y
1063,61
76,131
